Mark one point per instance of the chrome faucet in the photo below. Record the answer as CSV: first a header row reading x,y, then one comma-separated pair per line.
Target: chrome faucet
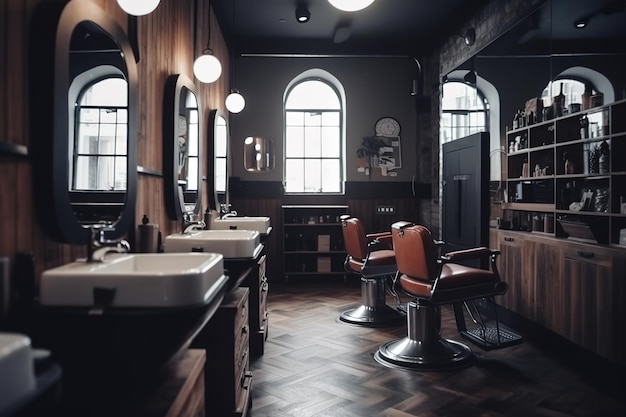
x,y
190,225
98,246
226,212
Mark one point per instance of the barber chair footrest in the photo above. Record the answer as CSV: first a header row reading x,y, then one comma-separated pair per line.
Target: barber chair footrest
x,y
491,338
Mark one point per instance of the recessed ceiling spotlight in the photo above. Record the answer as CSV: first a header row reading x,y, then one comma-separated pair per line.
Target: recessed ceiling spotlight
x,y
581,23
302,13
350,5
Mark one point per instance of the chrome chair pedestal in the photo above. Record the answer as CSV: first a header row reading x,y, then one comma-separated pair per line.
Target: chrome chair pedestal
x,y
373,311
424,348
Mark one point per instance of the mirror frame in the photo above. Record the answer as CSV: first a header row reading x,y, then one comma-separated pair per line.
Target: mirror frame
x,y
212,190
51,31
171,109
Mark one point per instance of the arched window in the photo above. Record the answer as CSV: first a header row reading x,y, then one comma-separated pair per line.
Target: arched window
x,y
101,136
464,111
314,137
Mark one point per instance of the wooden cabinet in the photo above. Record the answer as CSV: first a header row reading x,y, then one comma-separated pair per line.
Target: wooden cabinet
x,y
226,341
258,317
313,240
576,290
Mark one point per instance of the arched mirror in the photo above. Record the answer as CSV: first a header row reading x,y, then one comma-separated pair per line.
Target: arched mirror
x,y
258,154
182,133
83,83
218,156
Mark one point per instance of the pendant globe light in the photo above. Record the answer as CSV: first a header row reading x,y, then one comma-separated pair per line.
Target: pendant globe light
x,y
138,7
235,102
207,68
350,5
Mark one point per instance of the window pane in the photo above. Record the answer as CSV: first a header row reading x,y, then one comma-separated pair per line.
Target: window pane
x,y
108,116
106,145
312,142
193,141
331,180
294,175
330,142
192,180
220,174
89,115
312,94
121,140
330,119
122,116
294,118
120,172
294,142
312,180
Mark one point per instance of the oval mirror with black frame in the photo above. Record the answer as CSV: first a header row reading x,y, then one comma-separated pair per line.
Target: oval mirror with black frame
x,y
83,105
258,154
218,156
182,146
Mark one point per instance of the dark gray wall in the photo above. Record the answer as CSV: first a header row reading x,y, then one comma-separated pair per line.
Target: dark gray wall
x,y
374,86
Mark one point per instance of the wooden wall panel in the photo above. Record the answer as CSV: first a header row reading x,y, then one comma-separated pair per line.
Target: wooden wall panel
x,y
167,46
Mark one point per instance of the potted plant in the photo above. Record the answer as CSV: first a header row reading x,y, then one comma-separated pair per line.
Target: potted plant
x,y
370,148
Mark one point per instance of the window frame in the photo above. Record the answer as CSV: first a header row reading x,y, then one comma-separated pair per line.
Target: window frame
x,y
340,130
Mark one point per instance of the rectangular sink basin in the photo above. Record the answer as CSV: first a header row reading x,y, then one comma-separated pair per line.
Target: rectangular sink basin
x,y
134,280
260,224
229,243
17,375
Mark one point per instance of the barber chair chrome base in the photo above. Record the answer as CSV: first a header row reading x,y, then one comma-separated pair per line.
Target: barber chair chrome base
x,y
424,348
373,311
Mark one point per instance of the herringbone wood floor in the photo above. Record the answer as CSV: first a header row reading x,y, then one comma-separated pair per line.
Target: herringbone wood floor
x,y
315,365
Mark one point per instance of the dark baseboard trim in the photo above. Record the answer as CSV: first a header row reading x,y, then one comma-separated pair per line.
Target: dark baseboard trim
x,y
354,190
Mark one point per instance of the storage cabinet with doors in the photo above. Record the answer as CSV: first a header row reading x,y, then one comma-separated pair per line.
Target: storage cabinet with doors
x,y
576,290
313,240
227,373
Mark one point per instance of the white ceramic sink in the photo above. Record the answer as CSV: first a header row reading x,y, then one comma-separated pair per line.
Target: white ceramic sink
x,y
17,375
260,224
229,243
134,280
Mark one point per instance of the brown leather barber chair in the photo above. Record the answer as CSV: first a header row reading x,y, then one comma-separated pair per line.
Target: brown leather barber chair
x,y
371,257
433,281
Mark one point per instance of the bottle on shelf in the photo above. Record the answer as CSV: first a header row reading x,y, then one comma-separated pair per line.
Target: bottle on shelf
x,y
586,97
558,103
569,165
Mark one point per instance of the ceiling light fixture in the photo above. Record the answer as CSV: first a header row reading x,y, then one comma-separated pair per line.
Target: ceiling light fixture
x,y
303,14
235,101
350,5
207,68
138,7
582,22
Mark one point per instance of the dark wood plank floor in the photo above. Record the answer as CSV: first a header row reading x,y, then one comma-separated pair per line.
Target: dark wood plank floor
x,y
315,365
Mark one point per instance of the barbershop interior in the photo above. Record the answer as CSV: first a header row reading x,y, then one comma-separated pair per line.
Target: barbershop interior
x,y
312,208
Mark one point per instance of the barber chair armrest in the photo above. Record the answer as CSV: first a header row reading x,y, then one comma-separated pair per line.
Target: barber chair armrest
x,y
467,254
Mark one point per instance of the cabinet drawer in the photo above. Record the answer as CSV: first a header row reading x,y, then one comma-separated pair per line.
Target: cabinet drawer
x,y
590,255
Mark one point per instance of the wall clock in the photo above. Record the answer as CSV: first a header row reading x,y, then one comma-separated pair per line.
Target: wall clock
x,y
387,126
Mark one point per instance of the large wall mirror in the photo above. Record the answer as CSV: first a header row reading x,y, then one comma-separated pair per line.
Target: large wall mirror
x,y
182,146
219,136
84,121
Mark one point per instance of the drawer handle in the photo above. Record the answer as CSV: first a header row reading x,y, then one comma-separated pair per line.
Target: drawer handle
x,y
244,329
585,254
509,239
246,380
265,287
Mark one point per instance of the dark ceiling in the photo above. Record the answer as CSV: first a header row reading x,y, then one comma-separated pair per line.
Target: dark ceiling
x,y
403,27
387,27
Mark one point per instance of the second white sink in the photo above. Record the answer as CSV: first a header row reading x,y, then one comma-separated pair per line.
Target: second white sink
x,y
229,243
260,224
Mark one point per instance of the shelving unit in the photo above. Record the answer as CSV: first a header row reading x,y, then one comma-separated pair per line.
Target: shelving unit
x,y
313,240
567,176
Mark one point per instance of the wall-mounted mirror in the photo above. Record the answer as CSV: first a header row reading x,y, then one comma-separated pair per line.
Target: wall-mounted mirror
x,y
218,158
83,83
258,154
182,146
